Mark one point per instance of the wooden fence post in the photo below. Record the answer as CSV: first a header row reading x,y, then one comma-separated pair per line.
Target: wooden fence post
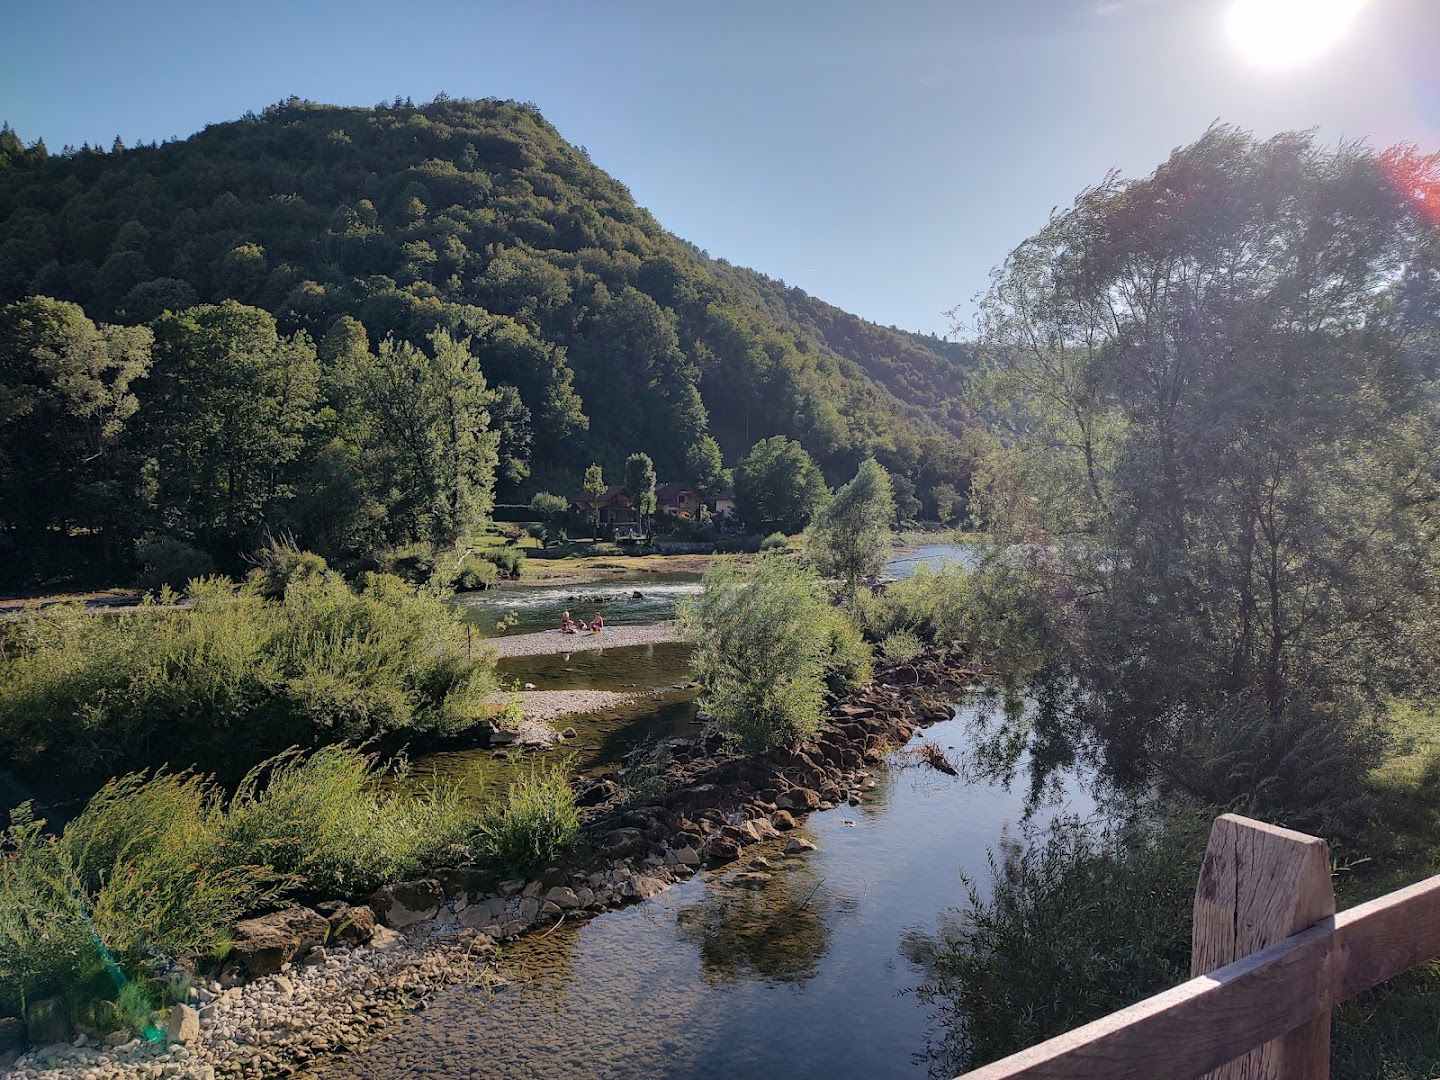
x,y
1258,885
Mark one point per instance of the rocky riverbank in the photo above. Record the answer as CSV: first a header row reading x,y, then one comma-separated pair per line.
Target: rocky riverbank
x,y
307,982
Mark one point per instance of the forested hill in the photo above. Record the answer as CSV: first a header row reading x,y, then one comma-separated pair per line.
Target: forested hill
x,y
478,218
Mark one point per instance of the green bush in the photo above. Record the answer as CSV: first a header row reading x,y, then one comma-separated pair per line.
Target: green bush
x,y
508,560
326,823
548,506
237,676
475,573
168,561
535,824
901,646
766,646
280,562
776,542
1081,920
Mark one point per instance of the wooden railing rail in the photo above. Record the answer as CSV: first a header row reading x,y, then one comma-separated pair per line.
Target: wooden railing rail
x,y
1271,960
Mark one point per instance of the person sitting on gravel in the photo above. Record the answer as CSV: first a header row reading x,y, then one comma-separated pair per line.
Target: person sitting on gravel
x,y
596,624
567,624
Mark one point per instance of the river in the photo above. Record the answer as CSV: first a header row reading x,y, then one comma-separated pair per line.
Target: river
x,y
797,970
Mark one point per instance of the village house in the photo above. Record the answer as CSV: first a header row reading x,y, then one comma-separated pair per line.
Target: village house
x,y
615,504
724,503
679,499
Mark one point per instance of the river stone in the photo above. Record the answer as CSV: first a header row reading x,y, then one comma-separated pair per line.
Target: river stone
x,y
798,844
798,799
687,856
529,909
384,939
182,1025
407,902
354,924
642,887
266,944
464,882
563,897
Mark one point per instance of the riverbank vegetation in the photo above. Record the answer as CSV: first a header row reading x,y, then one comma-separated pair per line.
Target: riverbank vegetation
x,y
292,657
112,913
1214,476
769,649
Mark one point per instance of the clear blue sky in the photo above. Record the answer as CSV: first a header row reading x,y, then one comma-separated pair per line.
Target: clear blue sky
x,y
883,156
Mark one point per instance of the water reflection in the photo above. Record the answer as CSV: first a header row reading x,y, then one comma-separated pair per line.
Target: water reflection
x,y
773,923
795,974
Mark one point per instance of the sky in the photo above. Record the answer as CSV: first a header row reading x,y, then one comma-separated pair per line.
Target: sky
x,y
884,156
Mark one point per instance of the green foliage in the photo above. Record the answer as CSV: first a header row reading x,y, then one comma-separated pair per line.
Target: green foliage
x,y
167,561
640,482
1224,457
320,664
597,333
536,823
227,406
327,823
775,544
67,391
766,643
281,562
509,561
549,506
1008,613
476,572
157,868
1080,920
778,485
851,537
900,647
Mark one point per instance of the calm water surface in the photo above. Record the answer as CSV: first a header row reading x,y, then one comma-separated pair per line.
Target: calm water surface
x,y
797,971
800,973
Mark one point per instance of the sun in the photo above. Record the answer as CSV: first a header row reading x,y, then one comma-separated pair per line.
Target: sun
x,y
1285,34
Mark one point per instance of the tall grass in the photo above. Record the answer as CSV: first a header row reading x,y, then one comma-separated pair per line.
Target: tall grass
x,y
157,868
536,824
248,669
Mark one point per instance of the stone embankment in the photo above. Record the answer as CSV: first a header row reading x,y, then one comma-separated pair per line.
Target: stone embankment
x,y
303,982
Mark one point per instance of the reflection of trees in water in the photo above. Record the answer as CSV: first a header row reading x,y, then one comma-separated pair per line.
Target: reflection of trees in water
x,y
1040,731
775,927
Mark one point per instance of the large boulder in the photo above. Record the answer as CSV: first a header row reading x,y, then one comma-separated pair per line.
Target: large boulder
x,y
182,1025
266,944
406,903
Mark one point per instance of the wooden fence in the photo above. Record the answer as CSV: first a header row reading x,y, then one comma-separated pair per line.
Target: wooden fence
x,y
1270,957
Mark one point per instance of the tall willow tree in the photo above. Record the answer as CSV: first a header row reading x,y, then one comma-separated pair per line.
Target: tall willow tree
x,y
228,404
1211,419
430,441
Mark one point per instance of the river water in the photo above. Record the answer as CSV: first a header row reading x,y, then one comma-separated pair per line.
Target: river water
x,y
799,970
801,973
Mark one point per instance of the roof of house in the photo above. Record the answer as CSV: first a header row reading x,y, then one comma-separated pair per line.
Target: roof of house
x,y
609,495
728,493
669,492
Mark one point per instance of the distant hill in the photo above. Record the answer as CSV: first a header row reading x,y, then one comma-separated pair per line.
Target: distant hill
x,y
477,216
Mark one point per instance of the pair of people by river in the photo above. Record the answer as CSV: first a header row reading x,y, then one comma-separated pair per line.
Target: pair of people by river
x,y
570,626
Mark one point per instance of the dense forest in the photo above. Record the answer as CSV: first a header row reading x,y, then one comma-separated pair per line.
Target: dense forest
x,y
363,326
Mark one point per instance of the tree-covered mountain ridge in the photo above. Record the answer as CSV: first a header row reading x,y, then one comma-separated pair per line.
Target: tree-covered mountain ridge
x,y
476,217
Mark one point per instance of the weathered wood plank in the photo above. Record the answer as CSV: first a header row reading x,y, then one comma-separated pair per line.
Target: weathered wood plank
x,y
1204,1023
1193,1028
1259,884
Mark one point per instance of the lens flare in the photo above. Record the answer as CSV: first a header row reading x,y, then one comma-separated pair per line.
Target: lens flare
x,y
1285,34
1417,177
